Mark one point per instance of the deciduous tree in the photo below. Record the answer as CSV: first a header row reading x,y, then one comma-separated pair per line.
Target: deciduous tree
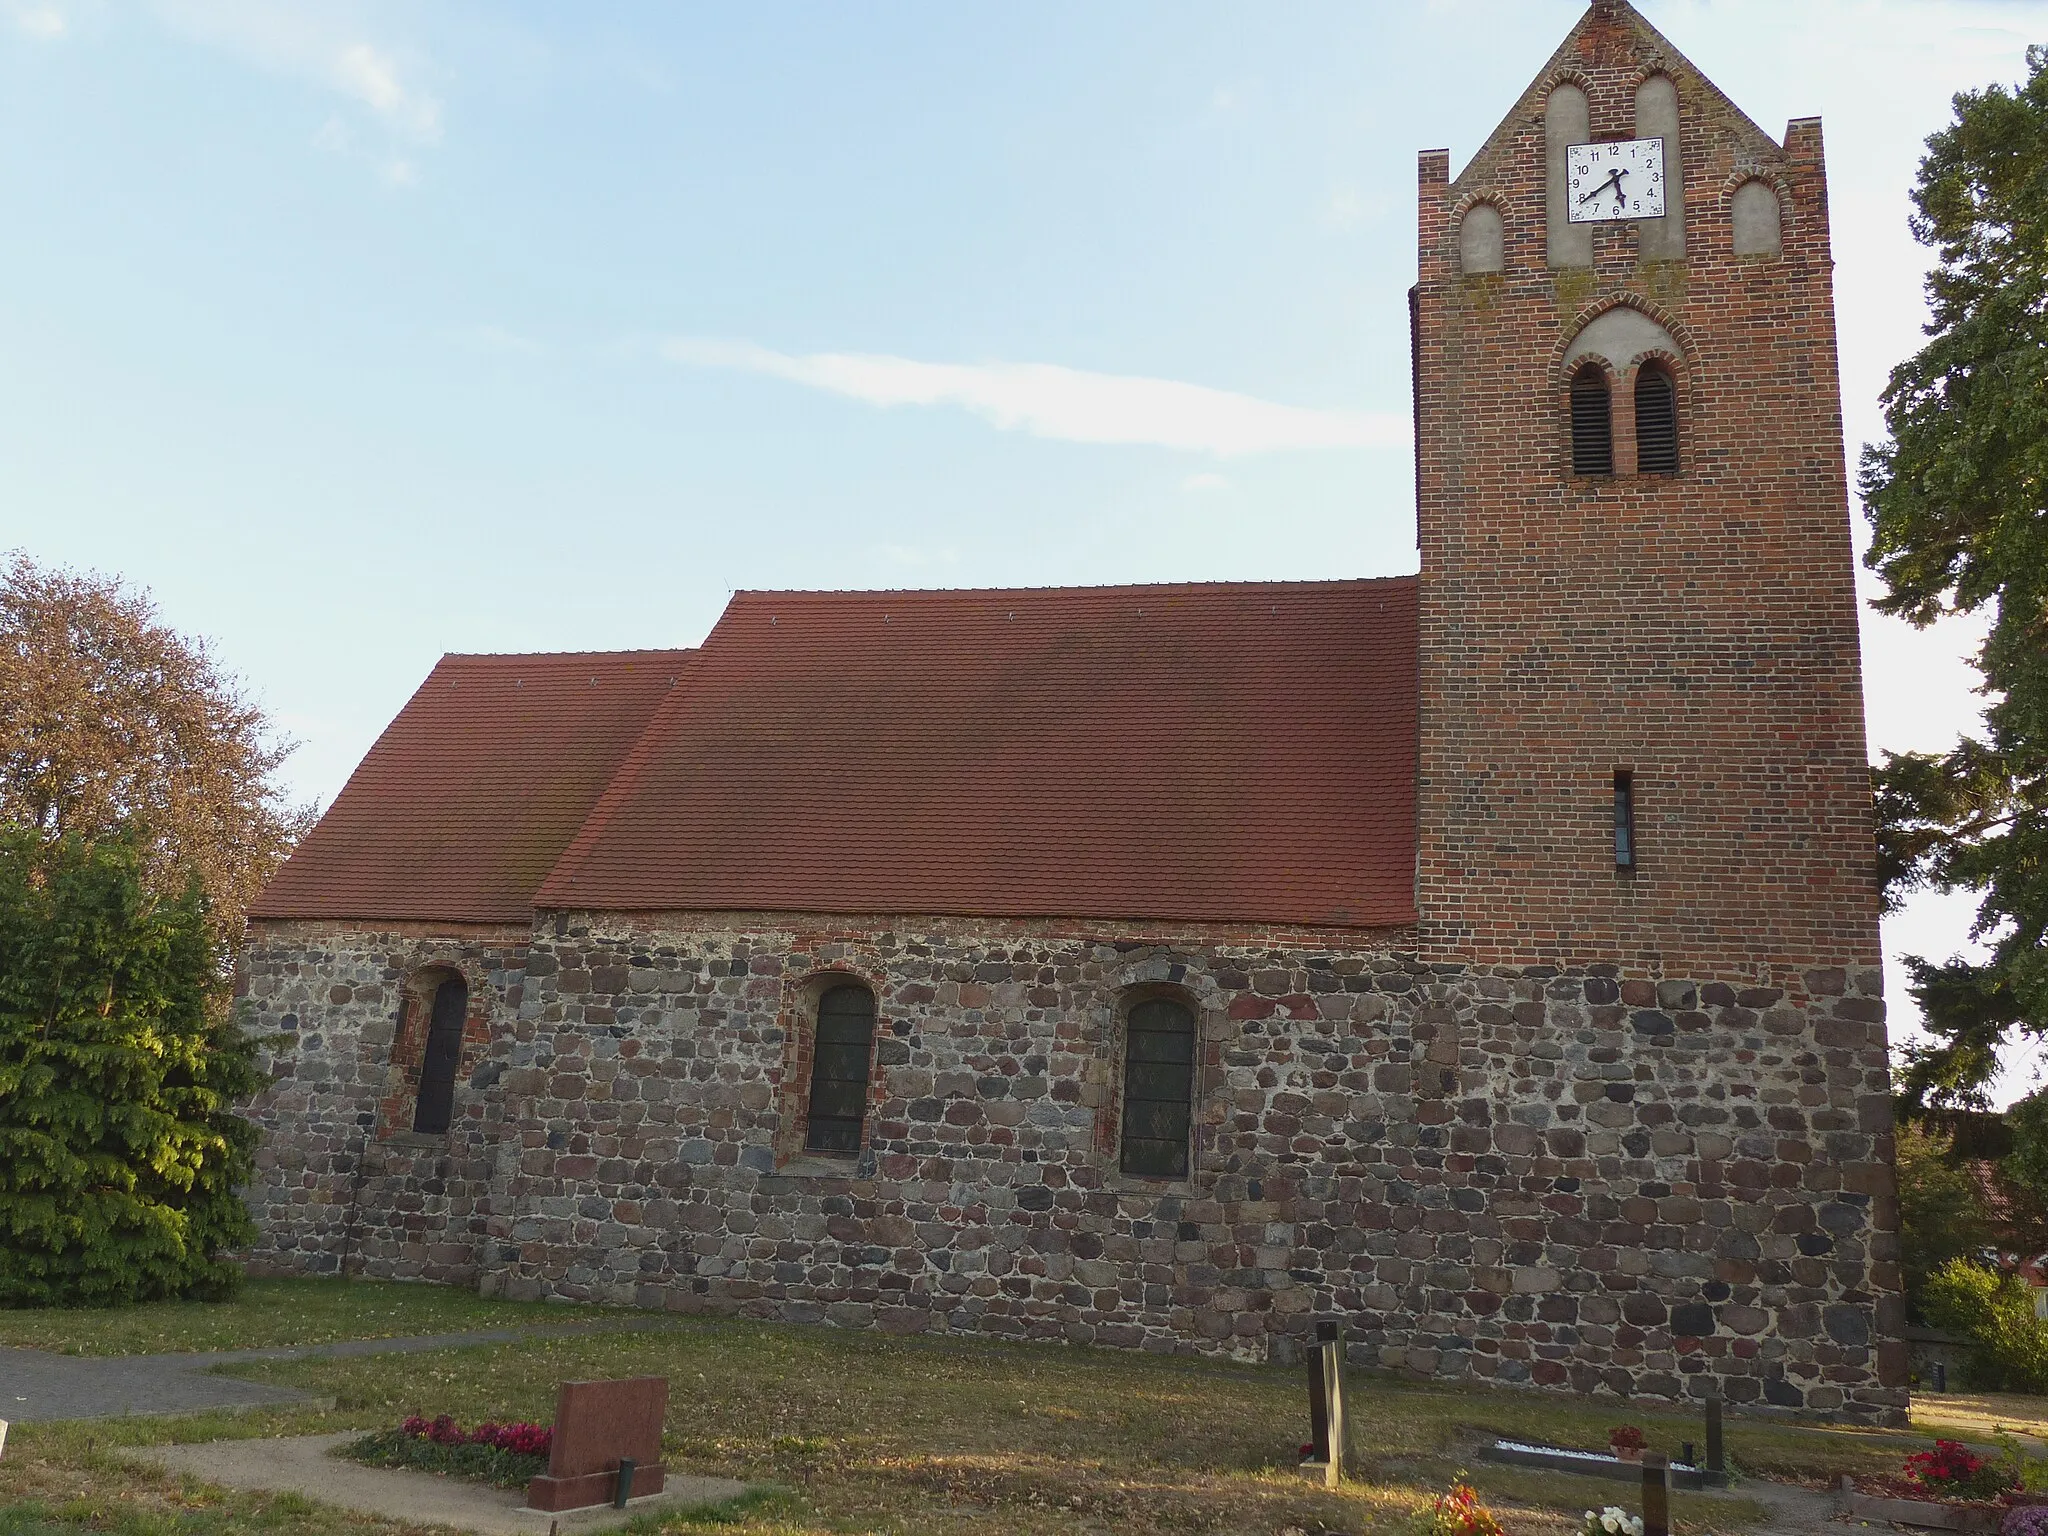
x,y
113,723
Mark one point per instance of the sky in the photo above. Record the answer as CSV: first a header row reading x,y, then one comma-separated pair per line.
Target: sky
x,y
358,332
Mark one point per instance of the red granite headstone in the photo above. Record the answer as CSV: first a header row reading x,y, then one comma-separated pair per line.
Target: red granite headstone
x,y
598,1424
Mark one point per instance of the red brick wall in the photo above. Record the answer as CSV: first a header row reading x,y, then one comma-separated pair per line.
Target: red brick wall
x,y
1699,630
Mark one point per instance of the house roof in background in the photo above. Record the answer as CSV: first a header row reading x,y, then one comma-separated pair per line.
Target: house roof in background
x,y
471,794
1232,752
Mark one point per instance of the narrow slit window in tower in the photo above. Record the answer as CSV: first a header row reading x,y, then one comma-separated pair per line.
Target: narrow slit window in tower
x,y
1624,819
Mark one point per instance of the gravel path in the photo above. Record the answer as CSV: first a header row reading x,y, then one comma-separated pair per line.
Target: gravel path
x,y
35,1384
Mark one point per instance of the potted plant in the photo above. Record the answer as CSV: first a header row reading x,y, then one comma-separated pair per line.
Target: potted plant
x,y
1627,1442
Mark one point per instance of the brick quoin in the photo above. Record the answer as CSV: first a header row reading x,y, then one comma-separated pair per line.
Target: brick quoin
x,y
1557,1125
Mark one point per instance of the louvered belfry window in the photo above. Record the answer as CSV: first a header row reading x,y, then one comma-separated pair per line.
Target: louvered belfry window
x,y
1159,1088
1592,424
1656,423
435,1106
839,1070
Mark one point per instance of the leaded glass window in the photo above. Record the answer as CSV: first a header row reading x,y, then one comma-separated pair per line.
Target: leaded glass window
x,y
839,1069
1159,1085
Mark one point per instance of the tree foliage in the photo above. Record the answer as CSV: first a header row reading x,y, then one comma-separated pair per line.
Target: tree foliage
x,y
1958,498
120,1154
2008,1343
1943,1213
112,723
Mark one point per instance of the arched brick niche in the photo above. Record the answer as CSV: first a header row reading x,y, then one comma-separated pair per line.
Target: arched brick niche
x,y
810,1001
443,1022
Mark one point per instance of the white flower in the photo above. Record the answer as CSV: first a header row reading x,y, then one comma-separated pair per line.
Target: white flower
x,y
1609,1524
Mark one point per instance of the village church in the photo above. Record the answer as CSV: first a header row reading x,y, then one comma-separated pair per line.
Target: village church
x,y
1486,959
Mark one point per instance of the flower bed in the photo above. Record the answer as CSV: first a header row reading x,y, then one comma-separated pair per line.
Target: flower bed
x,y
1951,1488
503,1455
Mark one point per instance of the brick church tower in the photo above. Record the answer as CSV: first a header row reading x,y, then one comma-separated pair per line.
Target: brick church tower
x,y
1643,800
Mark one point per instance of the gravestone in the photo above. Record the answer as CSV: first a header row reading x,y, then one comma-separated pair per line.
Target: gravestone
x,y
1329,1427
1656,1496
607,1444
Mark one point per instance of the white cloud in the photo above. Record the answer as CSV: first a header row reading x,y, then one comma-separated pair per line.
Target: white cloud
x,y
43,21
327,46
1204,482
1071,404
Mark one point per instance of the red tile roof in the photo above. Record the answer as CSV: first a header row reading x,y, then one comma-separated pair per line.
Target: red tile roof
x,y
1229,753
472,793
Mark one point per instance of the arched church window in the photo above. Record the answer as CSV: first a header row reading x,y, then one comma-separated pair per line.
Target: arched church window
x,y
1592,423
435,1105
1656,422
840,1058
1159,1088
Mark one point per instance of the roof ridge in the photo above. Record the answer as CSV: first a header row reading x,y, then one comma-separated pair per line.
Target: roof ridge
x,y
665,651
1320,584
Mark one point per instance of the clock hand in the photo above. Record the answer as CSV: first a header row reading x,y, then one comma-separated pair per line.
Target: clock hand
x,y
1613,181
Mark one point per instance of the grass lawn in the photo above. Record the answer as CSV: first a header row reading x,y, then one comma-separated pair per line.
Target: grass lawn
x,y
1980,1415
275,1312
861,1432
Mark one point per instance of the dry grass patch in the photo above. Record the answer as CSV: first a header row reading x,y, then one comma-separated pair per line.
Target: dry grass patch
x,y
1980,1415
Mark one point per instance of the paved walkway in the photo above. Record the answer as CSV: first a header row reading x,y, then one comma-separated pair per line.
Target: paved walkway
x,y
302,1465
35,1384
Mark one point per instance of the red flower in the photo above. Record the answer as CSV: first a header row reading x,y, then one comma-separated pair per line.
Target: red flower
x,y
1952,1468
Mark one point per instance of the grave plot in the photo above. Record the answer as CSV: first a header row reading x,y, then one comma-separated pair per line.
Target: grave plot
x,y
1625,1460
606,1447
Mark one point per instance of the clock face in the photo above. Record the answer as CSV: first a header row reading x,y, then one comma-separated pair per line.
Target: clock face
x,y
1621,180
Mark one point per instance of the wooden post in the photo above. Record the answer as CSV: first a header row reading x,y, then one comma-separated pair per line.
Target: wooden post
x,y
1656,1496
1338,1467
1714,1463
1318,1406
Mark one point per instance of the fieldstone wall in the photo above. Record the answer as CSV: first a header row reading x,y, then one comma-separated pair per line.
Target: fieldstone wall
x,y
1582,1180
342,1182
